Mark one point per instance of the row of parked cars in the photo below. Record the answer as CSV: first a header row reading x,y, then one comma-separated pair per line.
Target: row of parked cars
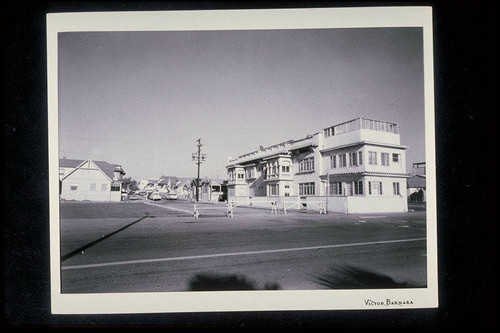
x,y
155,196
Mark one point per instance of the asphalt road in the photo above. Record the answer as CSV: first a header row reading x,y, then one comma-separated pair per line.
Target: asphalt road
x,y
145,247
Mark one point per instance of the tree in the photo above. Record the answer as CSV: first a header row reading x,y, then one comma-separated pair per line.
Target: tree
x,y
129,184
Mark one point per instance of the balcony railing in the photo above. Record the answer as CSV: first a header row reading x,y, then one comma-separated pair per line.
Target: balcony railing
x,y
361,123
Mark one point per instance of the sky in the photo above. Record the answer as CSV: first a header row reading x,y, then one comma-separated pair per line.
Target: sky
x,y
142,99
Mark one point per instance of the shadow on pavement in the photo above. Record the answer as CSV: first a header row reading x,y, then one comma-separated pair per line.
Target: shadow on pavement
x,y
338,277
83,248
351,277
220,282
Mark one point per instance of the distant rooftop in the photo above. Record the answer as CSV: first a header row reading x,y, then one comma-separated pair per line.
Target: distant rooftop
x,y
416,181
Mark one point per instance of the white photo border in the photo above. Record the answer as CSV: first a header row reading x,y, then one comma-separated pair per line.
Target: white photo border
x,y
259,19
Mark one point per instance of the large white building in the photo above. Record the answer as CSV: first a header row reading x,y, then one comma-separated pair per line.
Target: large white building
x,y
90,180
357,166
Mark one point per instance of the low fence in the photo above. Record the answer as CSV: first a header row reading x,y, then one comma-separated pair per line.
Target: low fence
x,y
282,204
227,209
276,206
323,204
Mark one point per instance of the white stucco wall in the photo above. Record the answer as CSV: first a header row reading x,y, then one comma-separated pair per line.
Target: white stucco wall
x,y
394,167
383,204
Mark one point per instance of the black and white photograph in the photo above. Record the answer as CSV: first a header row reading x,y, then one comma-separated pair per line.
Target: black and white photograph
x,y
242,160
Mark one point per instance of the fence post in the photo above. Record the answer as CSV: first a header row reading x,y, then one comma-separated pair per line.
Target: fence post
x,y
196,213
229,209
284,208
274,209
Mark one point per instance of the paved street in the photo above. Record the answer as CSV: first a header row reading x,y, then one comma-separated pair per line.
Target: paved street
x,y
144,246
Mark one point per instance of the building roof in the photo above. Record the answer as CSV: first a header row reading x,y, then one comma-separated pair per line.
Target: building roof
x,y
107,168
174,180
313,140
69,163
416,181
274,150
212,181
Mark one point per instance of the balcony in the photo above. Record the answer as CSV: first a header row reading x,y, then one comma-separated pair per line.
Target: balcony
x,y
279,176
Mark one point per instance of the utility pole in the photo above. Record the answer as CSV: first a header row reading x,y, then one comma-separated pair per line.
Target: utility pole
x,y
199,158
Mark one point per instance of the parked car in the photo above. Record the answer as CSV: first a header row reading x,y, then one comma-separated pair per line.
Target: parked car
x,y
171,196
155,196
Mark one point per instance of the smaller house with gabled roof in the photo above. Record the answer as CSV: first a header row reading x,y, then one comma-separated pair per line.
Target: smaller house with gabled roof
x,y
210,189
90,180
416,184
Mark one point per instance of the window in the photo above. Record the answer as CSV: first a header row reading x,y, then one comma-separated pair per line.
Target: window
x,y
250,173
307,164
241,176
348,189
372,158
285,168
273,189
104,187
395,189
384,157
360,158
353,157
336,188
395,158
115,188
333,161
374,187
358,187
343,160
73,187
92,187
306,189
